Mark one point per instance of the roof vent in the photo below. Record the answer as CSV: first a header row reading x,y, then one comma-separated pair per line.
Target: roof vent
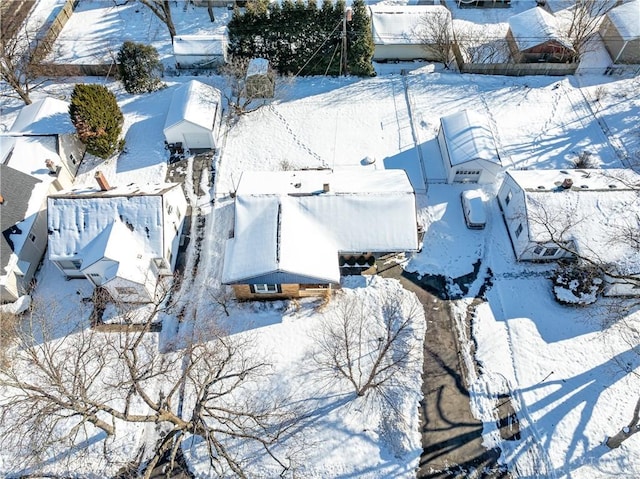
x,y
541,187
326,188
584,186
567,183
613,186
297,185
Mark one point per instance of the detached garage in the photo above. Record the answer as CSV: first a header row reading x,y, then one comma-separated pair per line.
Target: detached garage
x,y
468,148
194,116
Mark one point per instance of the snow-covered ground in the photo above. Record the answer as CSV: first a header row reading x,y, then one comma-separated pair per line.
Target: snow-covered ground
x,y
570,378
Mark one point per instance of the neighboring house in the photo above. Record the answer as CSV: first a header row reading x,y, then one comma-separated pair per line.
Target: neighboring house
x,y
587,211
535,36
259,80
123,239
620,32
295,231
468,148
39,155
194,116
200,51
398,32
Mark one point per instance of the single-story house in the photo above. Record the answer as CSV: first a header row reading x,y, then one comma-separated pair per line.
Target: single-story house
x,y
123,239
620,32
259,80
194,116
468,148
39,155
295,231
586,211
399,34
200,51
535,36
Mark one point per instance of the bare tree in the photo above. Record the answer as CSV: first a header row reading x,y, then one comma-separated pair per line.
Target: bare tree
x,y
583,21
212,17
479,45
59,392
162,10
367,344
19,67
435,32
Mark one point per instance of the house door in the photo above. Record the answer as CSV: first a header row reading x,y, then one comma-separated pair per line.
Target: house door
x,y
466,176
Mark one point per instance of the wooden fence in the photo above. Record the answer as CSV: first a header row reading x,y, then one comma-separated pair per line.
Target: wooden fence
x,y
78,70
52,29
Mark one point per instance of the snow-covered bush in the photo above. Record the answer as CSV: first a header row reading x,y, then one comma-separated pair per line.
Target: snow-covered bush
x,y
140,67
577,284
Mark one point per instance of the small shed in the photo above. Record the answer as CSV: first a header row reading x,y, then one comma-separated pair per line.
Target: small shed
x,y
194,116
200,51
398,34
534,36
259,81
620,32
468,148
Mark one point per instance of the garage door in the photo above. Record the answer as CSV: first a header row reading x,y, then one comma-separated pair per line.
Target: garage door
x,y
197,140
466,176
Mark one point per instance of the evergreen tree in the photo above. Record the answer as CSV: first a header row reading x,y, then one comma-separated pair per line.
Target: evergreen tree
x,y
97,118
140,67
360,41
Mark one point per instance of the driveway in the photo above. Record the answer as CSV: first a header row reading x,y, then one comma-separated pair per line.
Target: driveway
x,y
451,436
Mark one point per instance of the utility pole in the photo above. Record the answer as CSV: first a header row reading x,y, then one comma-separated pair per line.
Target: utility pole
x,y
343,54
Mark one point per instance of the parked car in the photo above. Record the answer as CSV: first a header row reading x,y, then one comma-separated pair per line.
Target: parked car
x,y
473,209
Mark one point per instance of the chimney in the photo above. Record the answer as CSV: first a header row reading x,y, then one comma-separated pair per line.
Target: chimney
x,y
102,181
325,187
51,166
567,183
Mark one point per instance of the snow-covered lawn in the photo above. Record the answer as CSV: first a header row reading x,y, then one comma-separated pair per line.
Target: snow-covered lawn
x,y
571,380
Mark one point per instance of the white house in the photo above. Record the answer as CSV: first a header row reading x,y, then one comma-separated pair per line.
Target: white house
x,y
586,211
122,239
39,155
200,51
294,231
468,148
194,116
398,32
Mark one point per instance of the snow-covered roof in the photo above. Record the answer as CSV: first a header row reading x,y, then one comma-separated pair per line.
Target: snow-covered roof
x,y
258,66
534,27
194,102
199,44
626,18
47,116
400,24
593,212
286,221
76,218
469,138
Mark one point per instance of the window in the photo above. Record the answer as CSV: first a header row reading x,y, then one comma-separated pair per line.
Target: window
x,y
125,290
550,252
519,230
538,249
169,209
507,199
70,264
265,288
32,237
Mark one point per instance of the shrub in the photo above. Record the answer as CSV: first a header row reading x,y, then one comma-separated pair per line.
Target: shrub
x,y
577,284
97,118
140,67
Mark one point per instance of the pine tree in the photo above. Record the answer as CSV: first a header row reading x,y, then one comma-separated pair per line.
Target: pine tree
x,y
97,118
140,67
361,45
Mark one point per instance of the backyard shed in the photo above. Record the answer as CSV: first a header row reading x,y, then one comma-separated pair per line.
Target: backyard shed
x,y
468,148
194,116
200,51
620,32
534,36
398,33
